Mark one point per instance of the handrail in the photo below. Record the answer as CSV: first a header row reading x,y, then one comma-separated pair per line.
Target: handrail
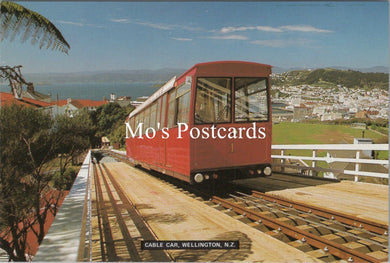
x,y
69,237
329,159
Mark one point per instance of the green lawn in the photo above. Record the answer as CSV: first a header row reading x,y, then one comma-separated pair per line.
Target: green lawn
x,y
306,133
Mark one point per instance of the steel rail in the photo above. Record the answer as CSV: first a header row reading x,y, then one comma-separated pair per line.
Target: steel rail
x,y
296,233
142,226
314,223
107,237
332,215
129,243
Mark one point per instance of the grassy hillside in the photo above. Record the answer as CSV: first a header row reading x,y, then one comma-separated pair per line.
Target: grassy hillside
x,y
306,133
333,77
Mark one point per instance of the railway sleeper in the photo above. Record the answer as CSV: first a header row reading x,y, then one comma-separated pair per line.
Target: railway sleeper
x,y
302,246
310,217
289,211
242,218
254,209
230,212
297,221
315,230
286,220
346,237
372,247
334,238
241,203
322,255
279,235
278,214
383,240
359,233
334,225
357,246
259,226
268,214
380,255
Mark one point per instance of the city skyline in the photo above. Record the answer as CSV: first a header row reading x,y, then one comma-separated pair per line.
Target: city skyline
x,y
154,35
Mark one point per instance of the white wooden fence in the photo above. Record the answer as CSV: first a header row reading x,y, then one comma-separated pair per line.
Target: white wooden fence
x,y
358,159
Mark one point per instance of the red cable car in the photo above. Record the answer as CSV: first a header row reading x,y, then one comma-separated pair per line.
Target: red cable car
x,y
213,122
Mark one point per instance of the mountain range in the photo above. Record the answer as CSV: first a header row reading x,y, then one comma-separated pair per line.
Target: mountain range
x,y
142,75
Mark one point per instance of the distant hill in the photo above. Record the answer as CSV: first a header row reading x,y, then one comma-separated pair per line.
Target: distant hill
x,y
120,76
348,78
333,77
378,69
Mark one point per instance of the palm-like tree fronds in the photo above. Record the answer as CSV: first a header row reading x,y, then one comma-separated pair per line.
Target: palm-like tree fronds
x,y
16,19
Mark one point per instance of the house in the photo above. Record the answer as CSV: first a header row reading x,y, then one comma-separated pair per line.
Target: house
x,y
71,107
31,93
361,114
301,112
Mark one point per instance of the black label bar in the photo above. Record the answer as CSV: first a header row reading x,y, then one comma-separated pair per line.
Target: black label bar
x,y
190,244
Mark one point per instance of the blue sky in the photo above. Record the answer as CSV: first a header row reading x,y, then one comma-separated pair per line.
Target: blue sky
x,y
153,35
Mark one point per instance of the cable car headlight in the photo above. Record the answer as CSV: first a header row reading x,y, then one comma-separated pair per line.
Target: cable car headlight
x,y
198,177
267,171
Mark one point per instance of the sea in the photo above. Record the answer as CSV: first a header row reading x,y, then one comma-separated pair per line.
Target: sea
x,y
94,91
99,91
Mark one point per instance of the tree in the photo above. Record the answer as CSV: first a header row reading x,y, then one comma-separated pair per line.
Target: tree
x,y
16,19
23,135
106,117
30,145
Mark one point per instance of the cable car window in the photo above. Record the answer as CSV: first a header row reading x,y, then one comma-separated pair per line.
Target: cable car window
x,y
140,119
213,100
153,115
182,89
131,122
146,120
183,108
251,99
183,103
158,110
172,108
163,110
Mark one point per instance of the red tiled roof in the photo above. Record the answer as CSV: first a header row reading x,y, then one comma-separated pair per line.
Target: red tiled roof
x,y
8,99
82,103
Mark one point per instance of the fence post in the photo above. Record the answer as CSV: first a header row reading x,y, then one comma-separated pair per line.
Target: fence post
x,y
357,165
282,160
313,164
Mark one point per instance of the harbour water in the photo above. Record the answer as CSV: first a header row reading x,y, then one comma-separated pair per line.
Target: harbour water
x,y
93,91
98,91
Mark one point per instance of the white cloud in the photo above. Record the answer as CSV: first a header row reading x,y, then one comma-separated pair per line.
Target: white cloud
x,y
121,20
281,29
181,39
78,24
154,25
230,37
246,28
281,42
304,28
70,23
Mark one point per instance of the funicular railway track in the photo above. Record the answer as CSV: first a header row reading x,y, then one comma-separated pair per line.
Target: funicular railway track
x,y
119,227
306,230
327,235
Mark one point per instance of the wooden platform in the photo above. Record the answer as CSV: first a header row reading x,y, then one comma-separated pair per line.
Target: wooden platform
x,y
173,215
369,201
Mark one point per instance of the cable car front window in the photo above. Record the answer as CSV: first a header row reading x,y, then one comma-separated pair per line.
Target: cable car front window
x,y
251,99
213,102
